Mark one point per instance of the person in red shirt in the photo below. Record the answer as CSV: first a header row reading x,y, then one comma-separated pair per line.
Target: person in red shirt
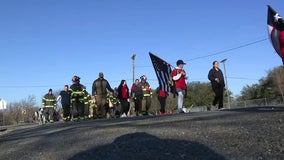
x,y
123,96
179,76
162,97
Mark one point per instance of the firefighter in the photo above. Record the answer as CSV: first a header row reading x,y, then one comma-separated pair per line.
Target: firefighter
x,y
49,104
147,95
77,99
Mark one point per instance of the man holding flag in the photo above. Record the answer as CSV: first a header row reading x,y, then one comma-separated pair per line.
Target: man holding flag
x,y
164,73
179,76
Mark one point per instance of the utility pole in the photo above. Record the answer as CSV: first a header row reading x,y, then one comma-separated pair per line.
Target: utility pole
x,y
3,105
227,86
133,67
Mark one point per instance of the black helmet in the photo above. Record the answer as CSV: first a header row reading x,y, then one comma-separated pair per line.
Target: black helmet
x,y
76,79
143,77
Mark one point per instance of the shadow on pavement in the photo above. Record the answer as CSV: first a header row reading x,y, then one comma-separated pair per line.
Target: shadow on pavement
x,y
141,145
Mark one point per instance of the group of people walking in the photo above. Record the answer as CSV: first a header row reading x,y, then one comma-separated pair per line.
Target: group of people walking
x,y
76,101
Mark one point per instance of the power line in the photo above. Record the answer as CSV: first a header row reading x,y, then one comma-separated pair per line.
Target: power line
x,y
237,78
220,52
227,50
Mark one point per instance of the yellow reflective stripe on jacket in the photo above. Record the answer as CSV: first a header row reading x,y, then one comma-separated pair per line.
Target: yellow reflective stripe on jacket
x,y
80,99
49,100
147,95
78,92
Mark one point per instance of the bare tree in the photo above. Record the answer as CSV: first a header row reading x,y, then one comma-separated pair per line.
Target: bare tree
x,y
21,111
277,76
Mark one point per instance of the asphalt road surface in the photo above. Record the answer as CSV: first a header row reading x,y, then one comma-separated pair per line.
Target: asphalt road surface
x,y
247,133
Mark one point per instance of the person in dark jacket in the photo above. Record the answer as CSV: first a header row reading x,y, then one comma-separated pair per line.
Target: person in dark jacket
x,y
100,88
137,96
216,78
64,97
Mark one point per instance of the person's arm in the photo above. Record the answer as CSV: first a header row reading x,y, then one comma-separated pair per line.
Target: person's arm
x,y
211,75
109,88
176,76
94,89
132,91
54,102
58,98
43,101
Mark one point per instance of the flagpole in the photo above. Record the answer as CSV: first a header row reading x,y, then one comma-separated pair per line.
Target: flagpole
x,y
227,85
133,66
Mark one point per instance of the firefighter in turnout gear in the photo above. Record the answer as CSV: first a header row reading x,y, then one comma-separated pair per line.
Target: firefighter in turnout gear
x,y
77,99
147,95
49,104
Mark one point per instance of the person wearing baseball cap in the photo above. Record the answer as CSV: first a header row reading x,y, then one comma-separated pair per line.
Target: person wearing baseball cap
x,y
179,77
180,62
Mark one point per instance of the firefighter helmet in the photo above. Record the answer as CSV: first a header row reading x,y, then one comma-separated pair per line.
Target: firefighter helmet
x,y
76,79
143,78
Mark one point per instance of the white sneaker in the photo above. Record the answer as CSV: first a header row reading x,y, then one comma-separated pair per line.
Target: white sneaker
x,y
123,115
185,110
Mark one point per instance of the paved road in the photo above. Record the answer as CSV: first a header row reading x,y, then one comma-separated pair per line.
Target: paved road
x,y
254,133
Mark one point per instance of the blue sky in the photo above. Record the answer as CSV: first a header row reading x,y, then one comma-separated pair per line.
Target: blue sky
x,y
44,43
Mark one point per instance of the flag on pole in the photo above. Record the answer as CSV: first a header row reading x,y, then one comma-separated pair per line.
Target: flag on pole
x,y
276,31
163,71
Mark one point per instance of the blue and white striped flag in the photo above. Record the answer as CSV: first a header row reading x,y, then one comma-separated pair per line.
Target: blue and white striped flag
x,y
163,71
